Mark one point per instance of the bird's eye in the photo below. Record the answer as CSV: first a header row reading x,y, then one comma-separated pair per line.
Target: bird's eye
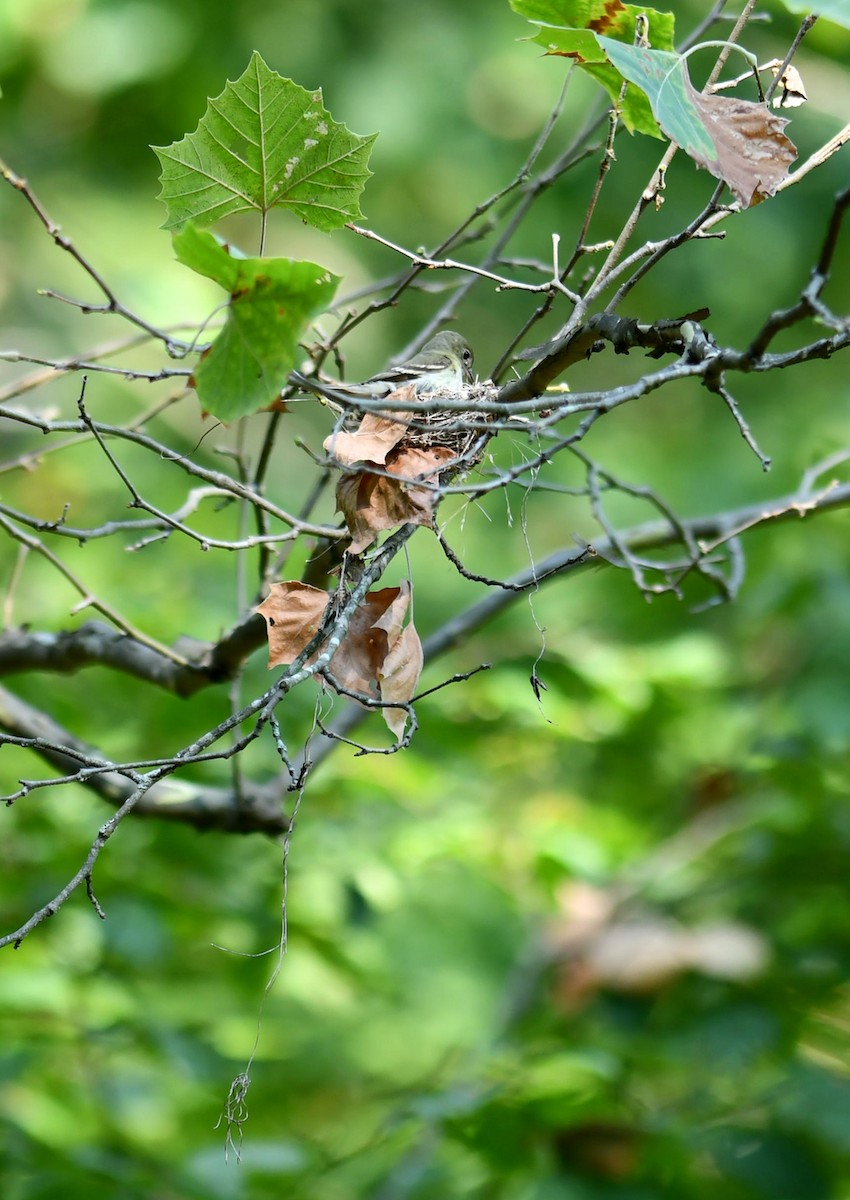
x,y
467,355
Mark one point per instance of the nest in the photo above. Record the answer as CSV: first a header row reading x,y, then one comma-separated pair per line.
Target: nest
x,y
463,431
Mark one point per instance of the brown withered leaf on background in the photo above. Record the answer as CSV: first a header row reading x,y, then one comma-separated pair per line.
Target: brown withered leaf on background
x,y
596,946
372,503
753,154
293,613
379,658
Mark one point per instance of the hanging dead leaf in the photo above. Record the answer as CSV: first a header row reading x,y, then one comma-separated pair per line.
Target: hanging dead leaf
x,y
376,436
399,672
379,658
391,620
738,141
407,494
293,613
752,152
357,663
370,503
399,676
791,92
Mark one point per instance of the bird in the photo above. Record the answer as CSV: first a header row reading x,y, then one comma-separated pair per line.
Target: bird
x,y
444,364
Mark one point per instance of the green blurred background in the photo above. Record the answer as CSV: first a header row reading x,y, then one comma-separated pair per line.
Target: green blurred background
x,y
596,948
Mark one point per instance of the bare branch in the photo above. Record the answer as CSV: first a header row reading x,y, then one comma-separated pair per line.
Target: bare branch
x,y
174,346
256,809
579,298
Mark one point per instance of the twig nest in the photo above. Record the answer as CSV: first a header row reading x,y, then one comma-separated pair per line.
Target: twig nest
x,y
396,461
457,429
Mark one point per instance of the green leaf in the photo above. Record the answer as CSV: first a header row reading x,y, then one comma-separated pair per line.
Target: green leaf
x,y
206,255
271,302
568,28
664,79
581,46
599,15
834,10
263,143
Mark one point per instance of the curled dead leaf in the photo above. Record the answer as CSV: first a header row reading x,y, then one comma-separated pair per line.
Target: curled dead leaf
x,y
791,92
752,152
379,658
399,674
738,141
374,439
293,614
406,494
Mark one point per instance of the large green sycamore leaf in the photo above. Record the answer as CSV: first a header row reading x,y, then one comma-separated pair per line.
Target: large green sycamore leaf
x,y
271,302
568,28
265,142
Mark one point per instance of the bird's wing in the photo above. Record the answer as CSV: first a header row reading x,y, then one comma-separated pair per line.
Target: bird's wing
x,y
342,393
410,372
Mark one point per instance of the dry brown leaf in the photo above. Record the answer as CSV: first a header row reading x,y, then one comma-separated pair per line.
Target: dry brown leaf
x,y
372,503
391,620
399,676
293,613
399,673
369,504
738,141
376,436
379,658
791,92
753,154
357,662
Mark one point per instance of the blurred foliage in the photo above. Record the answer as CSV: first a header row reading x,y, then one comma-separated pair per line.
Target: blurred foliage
x,y
454,1017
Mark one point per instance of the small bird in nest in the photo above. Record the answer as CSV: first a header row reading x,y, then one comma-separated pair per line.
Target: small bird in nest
x,y
444,364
